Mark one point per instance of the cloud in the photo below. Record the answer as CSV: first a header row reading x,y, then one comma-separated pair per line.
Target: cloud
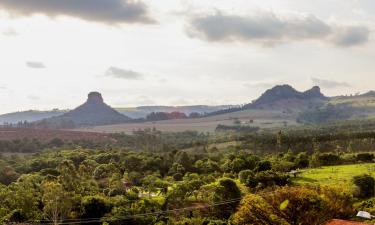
x,y
9,32
269,29
123,74
104,11
35,65
33,97
351,36
328,83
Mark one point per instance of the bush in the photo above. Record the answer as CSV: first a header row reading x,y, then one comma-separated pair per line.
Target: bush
x,y
365,157
263,166
244,174
94,207
270,178
365,184
326,159
293,205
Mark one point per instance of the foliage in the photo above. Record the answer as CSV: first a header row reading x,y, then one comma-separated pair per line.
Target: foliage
x,y
365,184
293,205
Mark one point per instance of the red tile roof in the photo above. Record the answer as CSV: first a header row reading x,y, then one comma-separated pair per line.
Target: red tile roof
x,y
344,222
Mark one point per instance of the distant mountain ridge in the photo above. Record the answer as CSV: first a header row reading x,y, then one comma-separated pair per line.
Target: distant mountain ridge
x,y
281,98
30,115
132,112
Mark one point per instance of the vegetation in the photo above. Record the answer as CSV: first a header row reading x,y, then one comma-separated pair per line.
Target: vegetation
x,y
292,176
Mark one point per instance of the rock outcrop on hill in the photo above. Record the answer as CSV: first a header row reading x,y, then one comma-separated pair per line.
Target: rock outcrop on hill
x,y
93,112
284,95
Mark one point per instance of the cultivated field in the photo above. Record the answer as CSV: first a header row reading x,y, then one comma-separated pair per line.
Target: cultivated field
x,y
335,175
261,118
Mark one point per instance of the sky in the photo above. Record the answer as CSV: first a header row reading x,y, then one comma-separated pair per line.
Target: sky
x,y
180,52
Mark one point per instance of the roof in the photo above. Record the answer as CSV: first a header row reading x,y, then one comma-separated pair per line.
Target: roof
x,y
344,222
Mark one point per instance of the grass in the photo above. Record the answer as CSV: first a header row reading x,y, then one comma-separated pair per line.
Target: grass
x,y
335,175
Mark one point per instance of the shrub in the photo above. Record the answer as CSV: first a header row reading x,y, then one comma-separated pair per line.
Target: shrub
x,y
244,174
365,184
365,157
270,178
294,205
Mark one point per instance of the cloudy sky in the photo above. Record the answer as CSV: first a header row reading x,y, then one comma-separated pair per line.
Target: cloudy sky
x,y
170,52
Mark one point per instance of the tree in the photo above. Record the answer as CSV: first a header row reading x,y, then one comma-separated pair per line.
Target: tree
x,y
225,190
7,174
94,207
365,184
56,201
294,206
255,210
263,166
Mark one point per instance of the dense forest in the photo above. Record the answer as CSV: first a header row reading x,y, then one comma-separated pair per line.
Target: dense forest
x,y
151,177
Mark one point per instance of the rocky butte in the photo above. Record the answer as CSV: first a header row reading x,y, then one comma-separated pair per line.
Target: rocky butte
x,y
93,112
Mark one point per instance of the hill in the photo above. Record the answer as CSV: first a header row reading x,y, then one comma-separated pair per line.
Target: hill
x,y
286,97
93,112
30,116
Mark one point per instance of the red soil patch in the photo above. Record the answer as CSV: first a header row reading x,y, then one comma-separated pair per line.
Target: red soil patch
x,y
47,135
344,222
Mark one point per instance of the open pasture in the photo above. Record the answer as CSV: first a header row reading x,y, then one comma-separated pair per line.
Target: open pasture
x,y
334,175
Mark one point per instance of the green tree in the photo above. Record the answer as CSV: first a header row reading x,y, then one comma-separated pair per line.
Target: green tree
x,y
56,201
225,190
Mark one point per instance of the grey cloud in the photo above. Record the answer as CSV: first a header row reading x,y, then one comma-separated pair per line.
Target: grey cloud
x,y
33,97
351,36
36,65
105,11
328,83
123,73
270,29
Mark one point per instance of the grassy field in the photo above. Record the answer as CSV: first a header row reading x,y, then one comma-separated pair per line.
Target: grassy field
x,y
261,118
335,175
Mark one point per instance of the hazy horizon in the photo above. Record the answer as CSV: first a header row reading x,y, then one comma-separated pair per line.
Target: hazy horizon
x,y
167,52
157,105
